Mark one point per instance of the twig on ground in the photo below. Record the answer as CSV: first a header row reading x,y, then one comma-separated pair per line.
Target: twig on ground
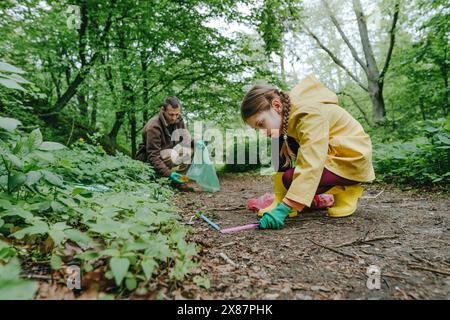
x,y
388,275
373,197
402,292
417,267
420,259
228,244
190,222
38,277
228,260
365,241
227,209
332,249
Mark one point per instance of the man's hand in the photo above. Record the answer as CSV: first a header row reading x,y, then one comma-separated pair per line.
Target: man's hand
x,y
175,178
275,218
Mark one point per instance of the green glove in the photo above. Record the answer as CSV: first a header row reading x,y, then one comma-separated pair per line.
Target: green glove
x,y
175,178
275,218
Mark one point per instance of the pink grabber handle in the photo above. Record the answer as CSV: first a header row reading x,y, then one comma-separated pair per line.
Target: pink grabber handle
x,y
240,228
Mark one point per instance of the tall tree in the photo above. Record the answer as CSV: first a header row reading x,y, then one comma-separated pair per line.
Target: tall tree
x,y
375,77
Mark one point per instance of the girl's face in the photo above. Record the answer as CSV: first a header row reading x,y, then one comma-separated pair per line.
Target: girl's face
x,y
269,121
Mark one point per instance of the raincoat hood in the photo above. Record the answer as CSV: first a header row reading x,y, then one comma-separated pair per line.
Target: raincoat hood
x,y
310,91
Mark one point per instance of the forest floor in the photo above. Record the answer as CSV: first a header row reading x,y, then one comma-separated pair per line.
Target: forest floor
x,y
406,234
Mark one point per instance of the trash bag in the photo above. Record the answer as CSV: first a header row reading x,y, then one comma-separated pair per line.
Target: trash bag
x,y
202,171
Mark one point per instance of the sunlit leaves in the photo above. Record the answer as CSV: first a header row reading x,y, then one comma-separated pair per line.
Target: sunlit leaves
x,y
9,124
9,76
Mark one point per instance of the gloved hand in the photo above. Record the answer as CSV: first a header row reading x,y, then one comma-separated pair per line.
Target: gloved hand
x,y
201,144
275,218
175,177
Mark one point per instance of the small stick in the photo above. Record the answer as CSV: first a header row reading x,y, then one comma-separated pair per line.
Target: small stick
x,y
444,272
227,208
373,197
332,249
38,276
212,224
190,221
388,275
365,241
228,244
240,228
228,260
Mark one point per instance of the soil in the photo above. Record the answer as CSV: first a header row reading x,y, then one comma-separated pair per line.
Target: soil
x,y
405,234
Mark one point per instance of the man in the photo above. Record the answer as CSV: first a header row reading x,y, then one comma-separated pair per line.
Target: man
x,y
161,145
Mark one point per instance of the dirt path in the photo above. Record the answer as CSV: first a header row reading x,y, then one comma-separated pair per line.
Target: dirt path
x,y
315,257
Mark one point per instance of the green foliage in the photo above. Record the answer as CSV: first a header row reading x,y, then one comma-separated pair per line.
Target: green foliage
x,y
12,287
423,161
112,208
273,20
418,82
131,54
10,76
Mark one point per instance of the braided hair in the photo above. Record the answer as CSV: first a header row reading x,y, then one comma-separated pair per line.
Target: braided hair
x,y
259,99
286,150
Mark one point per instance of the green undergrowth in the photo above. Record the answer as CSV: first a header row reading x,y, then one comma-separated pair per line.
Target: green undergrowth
x,y
61,206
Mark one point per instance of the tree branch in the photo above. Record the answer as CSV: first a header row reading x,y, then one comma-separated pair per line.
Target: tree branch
x,y
372,68
344,37
391,40
335,58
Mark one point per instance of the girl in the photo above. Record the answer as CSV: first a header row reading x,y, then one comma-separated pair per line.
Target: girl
x,y
334,153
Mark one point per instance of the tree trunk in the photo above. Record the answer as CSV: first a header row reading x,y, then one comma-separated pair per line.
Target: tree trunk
x,y
446,89
376,96
375,83
82,41
133,132
93,121
444,71
83,106
283,69
145,89
358,106
422,109
83,72
116,128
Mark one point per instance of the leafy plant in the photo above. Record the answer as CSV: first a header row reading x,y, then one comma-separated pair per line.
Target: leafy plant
x,y
423,161
10,76
111,208
12,287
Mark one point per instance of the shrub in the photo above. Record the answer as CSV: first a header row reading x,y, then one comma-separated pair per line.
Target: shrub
x,y
422,161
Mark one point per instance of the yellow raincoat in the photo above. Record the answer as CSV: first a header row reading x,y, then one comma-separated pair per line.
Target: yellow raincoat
x,y
328,137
